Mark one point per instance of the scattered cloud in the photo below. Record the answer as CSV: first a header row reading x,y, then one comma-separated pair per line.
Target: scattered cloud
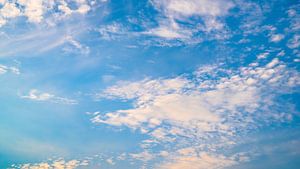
x,y
110,161
276,37
294,42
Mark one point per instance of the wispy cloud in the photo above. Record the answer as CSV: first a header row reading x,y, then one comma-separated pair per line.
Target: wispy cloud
x,y
35,42
43,96
12,69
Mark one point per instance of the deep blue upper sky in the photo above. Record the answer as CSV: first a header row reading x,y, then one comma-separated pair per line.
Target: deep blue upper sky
x,y
162,84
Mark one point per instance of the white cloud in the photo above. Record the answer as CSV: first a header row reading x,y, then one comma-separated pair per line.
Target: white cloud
x,y
42,96
171,107
35,95
83,9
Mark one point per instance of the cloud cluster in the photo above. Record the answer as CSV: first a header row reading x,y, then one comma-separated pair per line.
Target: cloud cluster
x,y
182,100
203,161
175,23
206,111
192,12
55,164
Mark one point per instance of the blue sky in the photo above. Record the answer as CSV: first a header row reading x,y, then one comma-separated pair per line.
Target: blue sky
x,y
162,84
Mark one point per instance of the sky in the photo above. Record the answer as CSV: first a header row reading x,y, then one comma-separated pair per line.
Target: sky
x,y
149,84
